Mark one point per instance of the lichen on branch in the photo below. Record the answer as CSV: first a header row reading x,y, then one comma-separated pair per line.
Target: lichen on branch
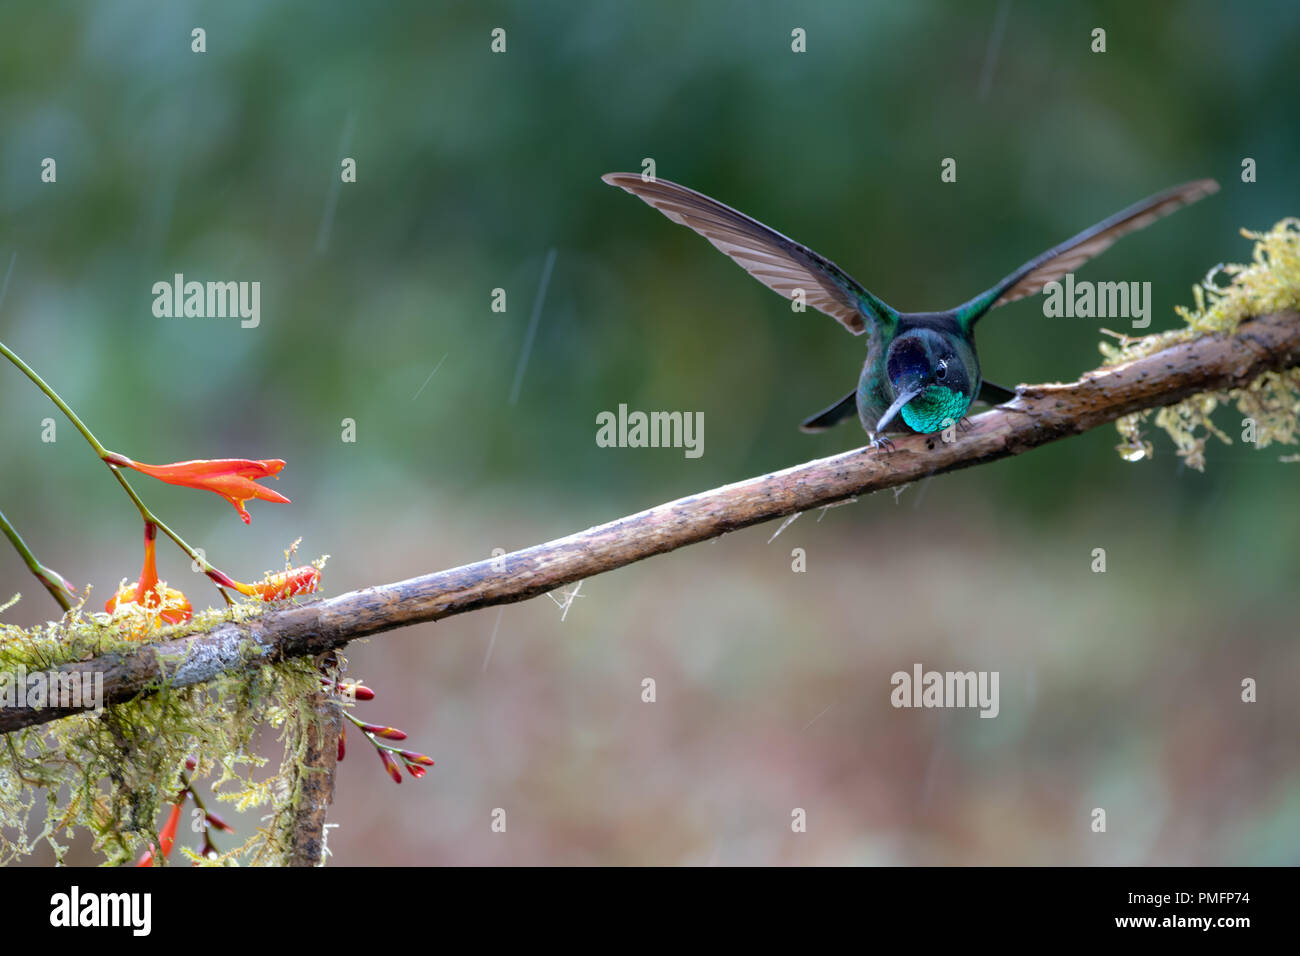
x,y
111,773
1270,403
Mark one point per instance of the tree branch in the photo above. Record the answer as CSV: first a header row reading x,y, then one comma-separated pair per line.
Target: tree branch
x,y
315,781
1038,415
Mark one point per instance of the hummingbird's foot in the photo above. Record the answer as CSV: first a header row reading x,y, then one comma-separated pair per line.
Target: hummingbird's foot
x,y
964,424
883,442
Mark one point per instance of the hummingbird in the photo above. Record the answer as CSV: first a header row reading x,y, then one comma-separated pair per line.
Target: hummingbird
x,y
921,372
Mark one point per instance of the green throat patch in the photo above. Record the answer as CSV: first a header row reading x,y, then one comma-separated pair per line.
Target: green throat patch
x,y
934,409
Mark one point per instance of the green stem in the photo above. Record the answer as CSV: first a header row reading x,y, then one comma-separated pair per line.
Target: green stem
x,y
104,455
199,802
52,580
27,370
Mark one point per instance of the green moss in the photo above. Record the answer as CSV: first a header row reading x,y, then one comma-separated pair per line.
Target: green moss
x,y
113,773
1270,283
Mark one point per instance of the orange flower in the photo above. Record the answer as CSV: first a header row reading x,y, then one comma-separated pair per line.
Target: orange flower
x,y
235,479
168,835
170,606
304,580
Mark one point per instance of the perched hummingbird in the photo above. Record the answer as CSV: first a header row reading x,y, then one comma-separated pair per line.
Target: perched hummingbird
x,y
920,364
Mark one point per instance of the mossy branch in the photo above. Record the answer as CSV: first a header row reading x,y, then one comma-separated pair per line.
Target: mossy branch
x,y
1038,415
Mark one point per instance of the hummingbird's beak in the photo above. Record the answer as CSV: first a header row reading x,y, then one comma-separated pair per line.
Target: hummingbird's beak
x,y
903,398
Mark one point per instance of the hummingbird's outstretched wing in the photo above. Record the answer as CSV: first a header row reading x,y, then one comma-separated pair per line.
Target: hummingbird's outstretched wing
x,y
778,262
1071,254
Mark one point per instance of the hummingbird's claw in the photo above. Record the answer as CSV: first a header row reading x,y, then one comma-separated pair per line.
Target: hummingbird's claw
x,y
964,424
883,442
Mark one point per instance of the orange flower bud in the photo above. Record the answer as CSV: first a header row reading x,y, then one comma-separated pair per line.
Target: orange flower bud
x,y
303,580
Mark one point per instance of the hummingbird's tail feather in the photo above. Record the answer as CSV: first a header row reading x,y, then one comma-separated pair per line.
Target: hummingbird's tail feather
x,y
780,263
846,406
1071,254
991,394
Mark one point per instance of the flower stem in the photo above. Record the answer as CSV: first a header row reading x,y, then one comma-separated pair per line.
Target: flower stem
x,y
150,517
104,455
52,580
27,370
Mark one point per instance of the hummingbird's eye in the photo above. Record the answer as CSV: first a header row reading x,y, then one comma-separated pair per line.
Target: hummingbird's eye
x,y
941,370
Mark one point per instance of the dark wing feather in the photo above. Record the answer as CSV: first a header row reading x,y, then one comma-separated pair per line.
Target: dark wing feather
x,y
778,262
991,394
846,406
1071,254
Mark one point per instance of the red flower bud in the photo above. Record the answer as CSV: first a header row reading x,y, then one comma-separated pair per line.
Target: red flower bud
x,y
390,765
222,579
410,756
343,743
348,689
388,733
220,824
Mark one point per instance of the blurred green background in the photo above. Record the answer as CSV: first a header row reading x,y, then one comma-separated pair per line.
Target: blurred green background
x,y
1118,690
